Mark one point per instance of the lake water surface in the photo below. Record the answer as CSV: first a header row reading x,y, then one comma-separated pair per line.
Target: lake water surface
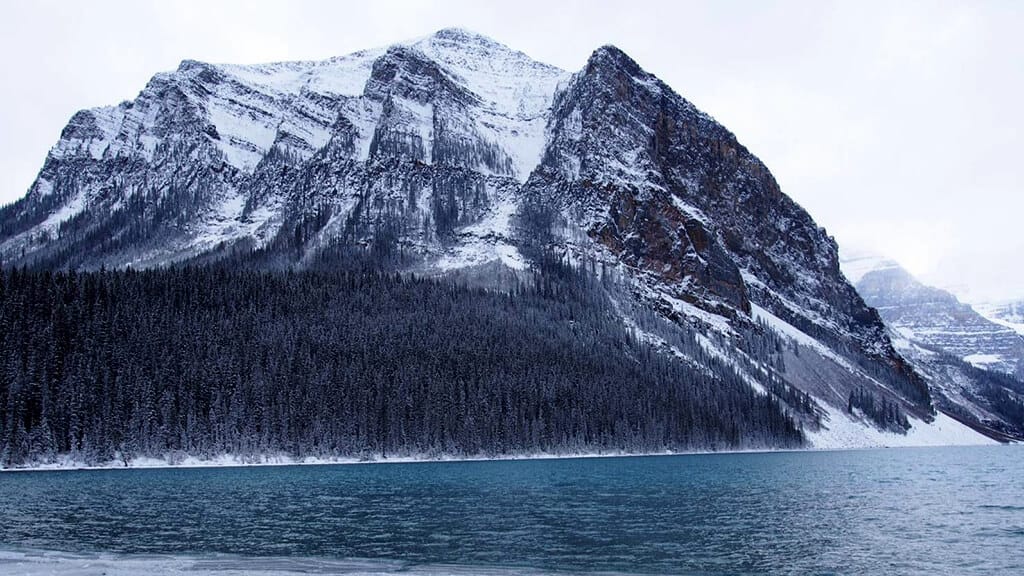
x,y
896,511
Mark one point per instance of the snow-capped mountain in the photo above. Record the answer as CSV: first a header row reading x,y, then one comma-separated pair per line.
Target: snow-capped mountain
x,y
953,345
214,154
465,154
935,318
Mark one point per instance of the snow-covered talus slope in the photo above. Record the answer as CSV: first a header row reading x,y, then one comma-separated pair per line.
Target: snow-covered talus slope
x,y
641,177
841,432
457,152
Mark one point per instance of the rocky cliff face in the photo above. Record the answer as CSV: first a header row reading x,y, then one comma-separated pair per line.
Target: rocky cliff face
x,y
462,153
672,194
213,154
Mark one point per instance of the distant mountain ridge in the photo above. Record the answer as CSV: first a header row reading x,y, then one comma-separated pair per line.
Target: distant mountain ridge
x,y
1009,313
454,155
934,317
942,336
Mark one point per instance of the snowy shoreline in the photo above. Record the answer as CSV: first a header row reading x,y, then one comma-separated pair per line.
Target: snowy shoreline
x,y
231,461
841,434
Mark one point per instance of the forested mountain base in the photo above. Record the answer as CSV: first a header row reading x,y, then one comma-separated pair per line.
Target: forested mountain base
x,y
206,361
450,155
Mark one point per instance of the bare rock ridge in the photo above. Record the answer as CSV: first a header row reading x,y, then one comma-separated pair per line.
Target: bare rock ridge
x,y
448,148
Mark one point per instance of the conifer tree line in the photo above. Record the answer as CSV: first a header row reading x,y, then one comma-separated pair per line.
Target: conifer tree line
x,y
218,359
1001,393
885,413
900,376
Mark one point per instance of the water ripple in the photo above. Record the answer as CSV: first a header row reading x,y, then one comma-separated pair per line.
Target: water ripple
x,y
886,511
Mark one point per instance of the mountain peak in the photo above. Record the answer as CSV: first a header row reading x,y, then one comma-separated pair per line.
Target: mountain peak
x,y
610,51
463,49
856,263
613,56
188,64
458,34
460,40
931,319
444,149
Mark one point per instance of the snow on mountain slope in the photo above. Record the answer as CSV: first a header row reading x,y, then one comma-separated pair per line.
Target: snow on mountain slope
x,y
637,175
455,99
515,91
840,431
935,318
963,355
458,152
1009,314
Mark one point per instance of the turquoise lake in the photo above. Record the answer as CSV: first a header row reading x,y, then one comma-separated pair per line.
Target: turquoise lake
x,y
895,511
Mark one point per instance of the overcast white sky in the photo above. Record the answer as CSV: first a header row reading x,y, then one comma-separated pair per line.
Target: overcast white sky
x,y
898,125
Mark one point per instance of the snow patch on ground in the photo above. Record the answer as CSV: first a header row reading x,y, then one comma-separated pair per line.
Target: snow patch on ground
x,y
691,211
905,345
996,312
226,223
840,431
345,76
485,241
65,213
269,100
275,77
244,139
42,187
235,461
516,92
713,350
658,342
52,223
719,323
787,329
982,360
510,256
